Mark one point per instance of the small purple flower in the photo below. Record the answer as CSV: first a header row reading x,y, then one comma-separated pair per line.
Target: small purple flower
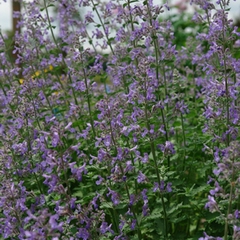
x,y
77,172
99,181
133,224
206,237
94,201
145,158
21,204
145,132
121,224
72,203
114,196
162,187
168,148
236,214
162,130
141,177
83,233
105,228
129,167
107,140
211,204
216,189
51,181
145,209
144,196
55,139
129,213
89,17
53,223
169,187
132,199
98,34
101,154
156,187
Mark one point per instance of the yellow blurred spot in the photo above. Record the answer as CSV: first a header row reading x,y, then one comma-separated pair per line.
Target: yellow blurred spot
x,y
55,93
50,68
36,74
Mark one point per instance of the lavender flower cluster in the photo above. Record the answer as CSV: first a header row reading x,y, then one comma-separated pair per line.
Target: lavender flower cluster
x,y
127,156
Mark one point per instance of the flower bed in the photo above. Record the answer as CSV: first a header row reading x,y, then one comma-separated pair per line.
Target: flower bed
x,y
136,141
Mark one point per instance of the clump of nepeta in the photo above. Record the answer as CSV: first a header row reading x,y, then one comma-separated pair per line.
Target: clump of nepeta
x,y
120,120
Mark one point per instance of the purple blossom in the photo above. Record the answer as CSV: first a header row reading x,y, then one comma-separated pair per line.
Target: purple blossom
x,y
141,177
145,158
77,172
114,196
133,224
216,190
89,17
162,187
98,34
145,132
121,224
105,228
169,187
129,213
168,148
72,203
83,233
107,140
53,223
236,214
132,200
101,154
145,208
94,201
100,180
211,204
206,237
51,182
55,139
156,187
181,107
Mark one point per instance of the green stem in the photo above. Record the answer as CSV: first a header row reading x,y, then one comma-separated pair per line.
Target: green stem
x,y
134,169
103,26
229,205
152,145
88,99
29,150
184,141
55,41
126,185
157,54
227,126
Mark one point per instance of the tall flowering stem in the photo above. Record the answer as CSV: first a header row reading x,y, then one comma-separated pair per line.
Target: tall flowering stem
x,y
55,41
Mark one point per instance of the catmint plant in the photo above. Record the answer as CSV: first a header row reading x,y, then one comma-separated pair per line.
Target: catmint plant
x,y
220,99
113,127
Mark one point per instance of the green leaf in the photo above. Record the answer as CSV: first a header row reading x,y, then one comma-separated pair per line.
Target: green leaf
x,y
108,205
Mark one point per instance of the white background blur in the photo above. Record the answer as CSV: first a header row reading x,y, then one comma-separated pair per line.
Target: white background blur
x,y
6,11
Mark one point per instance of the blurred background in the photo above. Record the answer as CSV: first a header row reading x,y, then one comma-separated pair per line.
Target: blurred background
x,y
180,6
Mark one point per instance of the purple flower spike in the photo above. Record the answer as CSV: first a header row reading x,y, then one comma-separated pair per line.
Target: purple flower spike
x,y
83,233
141,177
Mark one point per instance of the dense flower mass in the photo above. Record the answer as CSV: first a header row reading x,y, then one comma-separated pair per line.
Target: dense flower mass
x,y
119,120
